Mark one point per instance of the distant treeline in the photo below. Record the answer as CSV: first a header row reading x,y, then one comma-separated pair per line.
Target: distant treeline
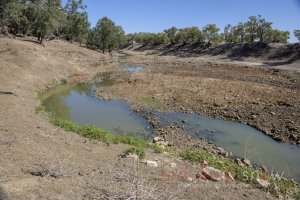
x,y
47,18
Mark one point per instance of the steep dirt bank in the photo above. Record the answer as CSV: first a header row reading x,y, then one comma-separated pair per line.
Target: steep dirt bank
x,y
259,54
267,99
73,167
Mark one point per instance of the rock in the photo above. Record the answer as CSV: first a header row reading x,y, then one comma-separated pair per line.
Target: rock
x,y
239,162
264,168
229,176
247,162
262,183
156,139
253,116
81,173
213,174
204,163
200,176
162,143
278,138
173,165
226,154
150,163
189,179
221,151
133,156
293,136
272,113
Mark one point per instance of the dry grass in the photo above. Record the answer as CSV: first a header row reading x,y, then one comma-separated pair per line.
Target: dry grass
x,y
55,168
130,183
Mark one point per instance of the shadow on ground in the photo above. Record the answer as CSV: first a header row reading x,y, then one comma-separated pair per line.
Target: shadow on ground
x,y
2,194
279,53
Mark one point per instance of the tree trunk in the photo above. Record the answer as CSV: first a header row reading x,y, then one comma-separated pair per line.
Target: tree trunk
x,y
41,39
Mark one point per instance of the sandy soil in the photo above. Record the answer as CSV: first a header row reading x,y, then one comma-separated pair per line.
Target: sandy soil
x,y
80,168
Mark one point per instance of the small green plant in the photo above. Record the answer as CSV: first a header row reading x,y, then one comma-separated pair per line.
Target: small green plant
x,y
41,109
297,195
64,81
157,148
285,186
141,152
151,102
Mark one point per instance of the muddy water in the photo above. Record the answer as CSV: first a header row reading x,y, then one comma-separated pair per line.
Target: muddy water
x,y
242,140
75,102
133,68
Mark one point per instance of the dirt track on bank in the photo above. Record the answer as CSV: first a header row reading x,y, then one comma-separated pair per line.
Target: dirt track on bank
x,y
28,142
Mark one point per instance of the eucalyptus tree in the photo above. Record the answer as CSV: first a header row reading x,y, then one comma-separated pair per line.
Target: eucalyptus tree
x,y
276,36
211,33
108,35
45,16
251,29
171,33
240,32
16,17
263,27
77,25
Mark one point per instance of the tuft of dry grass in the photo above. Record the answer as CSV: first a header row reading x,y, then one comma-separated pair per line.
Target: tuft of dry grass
x,y
55,168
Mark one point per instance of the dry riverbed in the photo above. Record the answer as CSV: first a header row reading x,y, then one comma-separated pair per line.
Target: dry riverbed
x,y
266,99
41,161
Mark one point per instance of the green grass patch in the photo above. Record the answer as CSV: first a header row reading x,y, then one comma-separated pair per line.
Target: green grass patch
x,y
141,152
150,102
286,186
244,174
297,195
96,133
41,109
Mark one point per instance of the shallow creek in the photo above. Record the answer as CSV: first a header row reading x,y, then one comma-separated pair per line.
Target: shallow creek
x,y
76,102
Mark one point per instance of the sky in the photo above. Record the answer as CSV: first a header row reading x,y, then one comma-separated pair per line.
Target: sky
x,y
158,15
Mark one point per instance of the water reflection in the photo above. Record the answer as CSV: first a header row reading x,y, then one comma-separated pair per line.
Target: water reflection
x,y
76,103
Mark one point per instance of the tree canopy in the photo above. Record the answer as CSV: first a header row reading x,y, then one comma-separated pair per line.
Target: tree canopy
x,y
106,35
45,18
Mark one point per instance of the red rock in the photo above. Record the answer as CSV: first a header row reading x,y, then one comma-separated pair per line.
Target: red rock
x,y
200,176
229,176
213,174
263,183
